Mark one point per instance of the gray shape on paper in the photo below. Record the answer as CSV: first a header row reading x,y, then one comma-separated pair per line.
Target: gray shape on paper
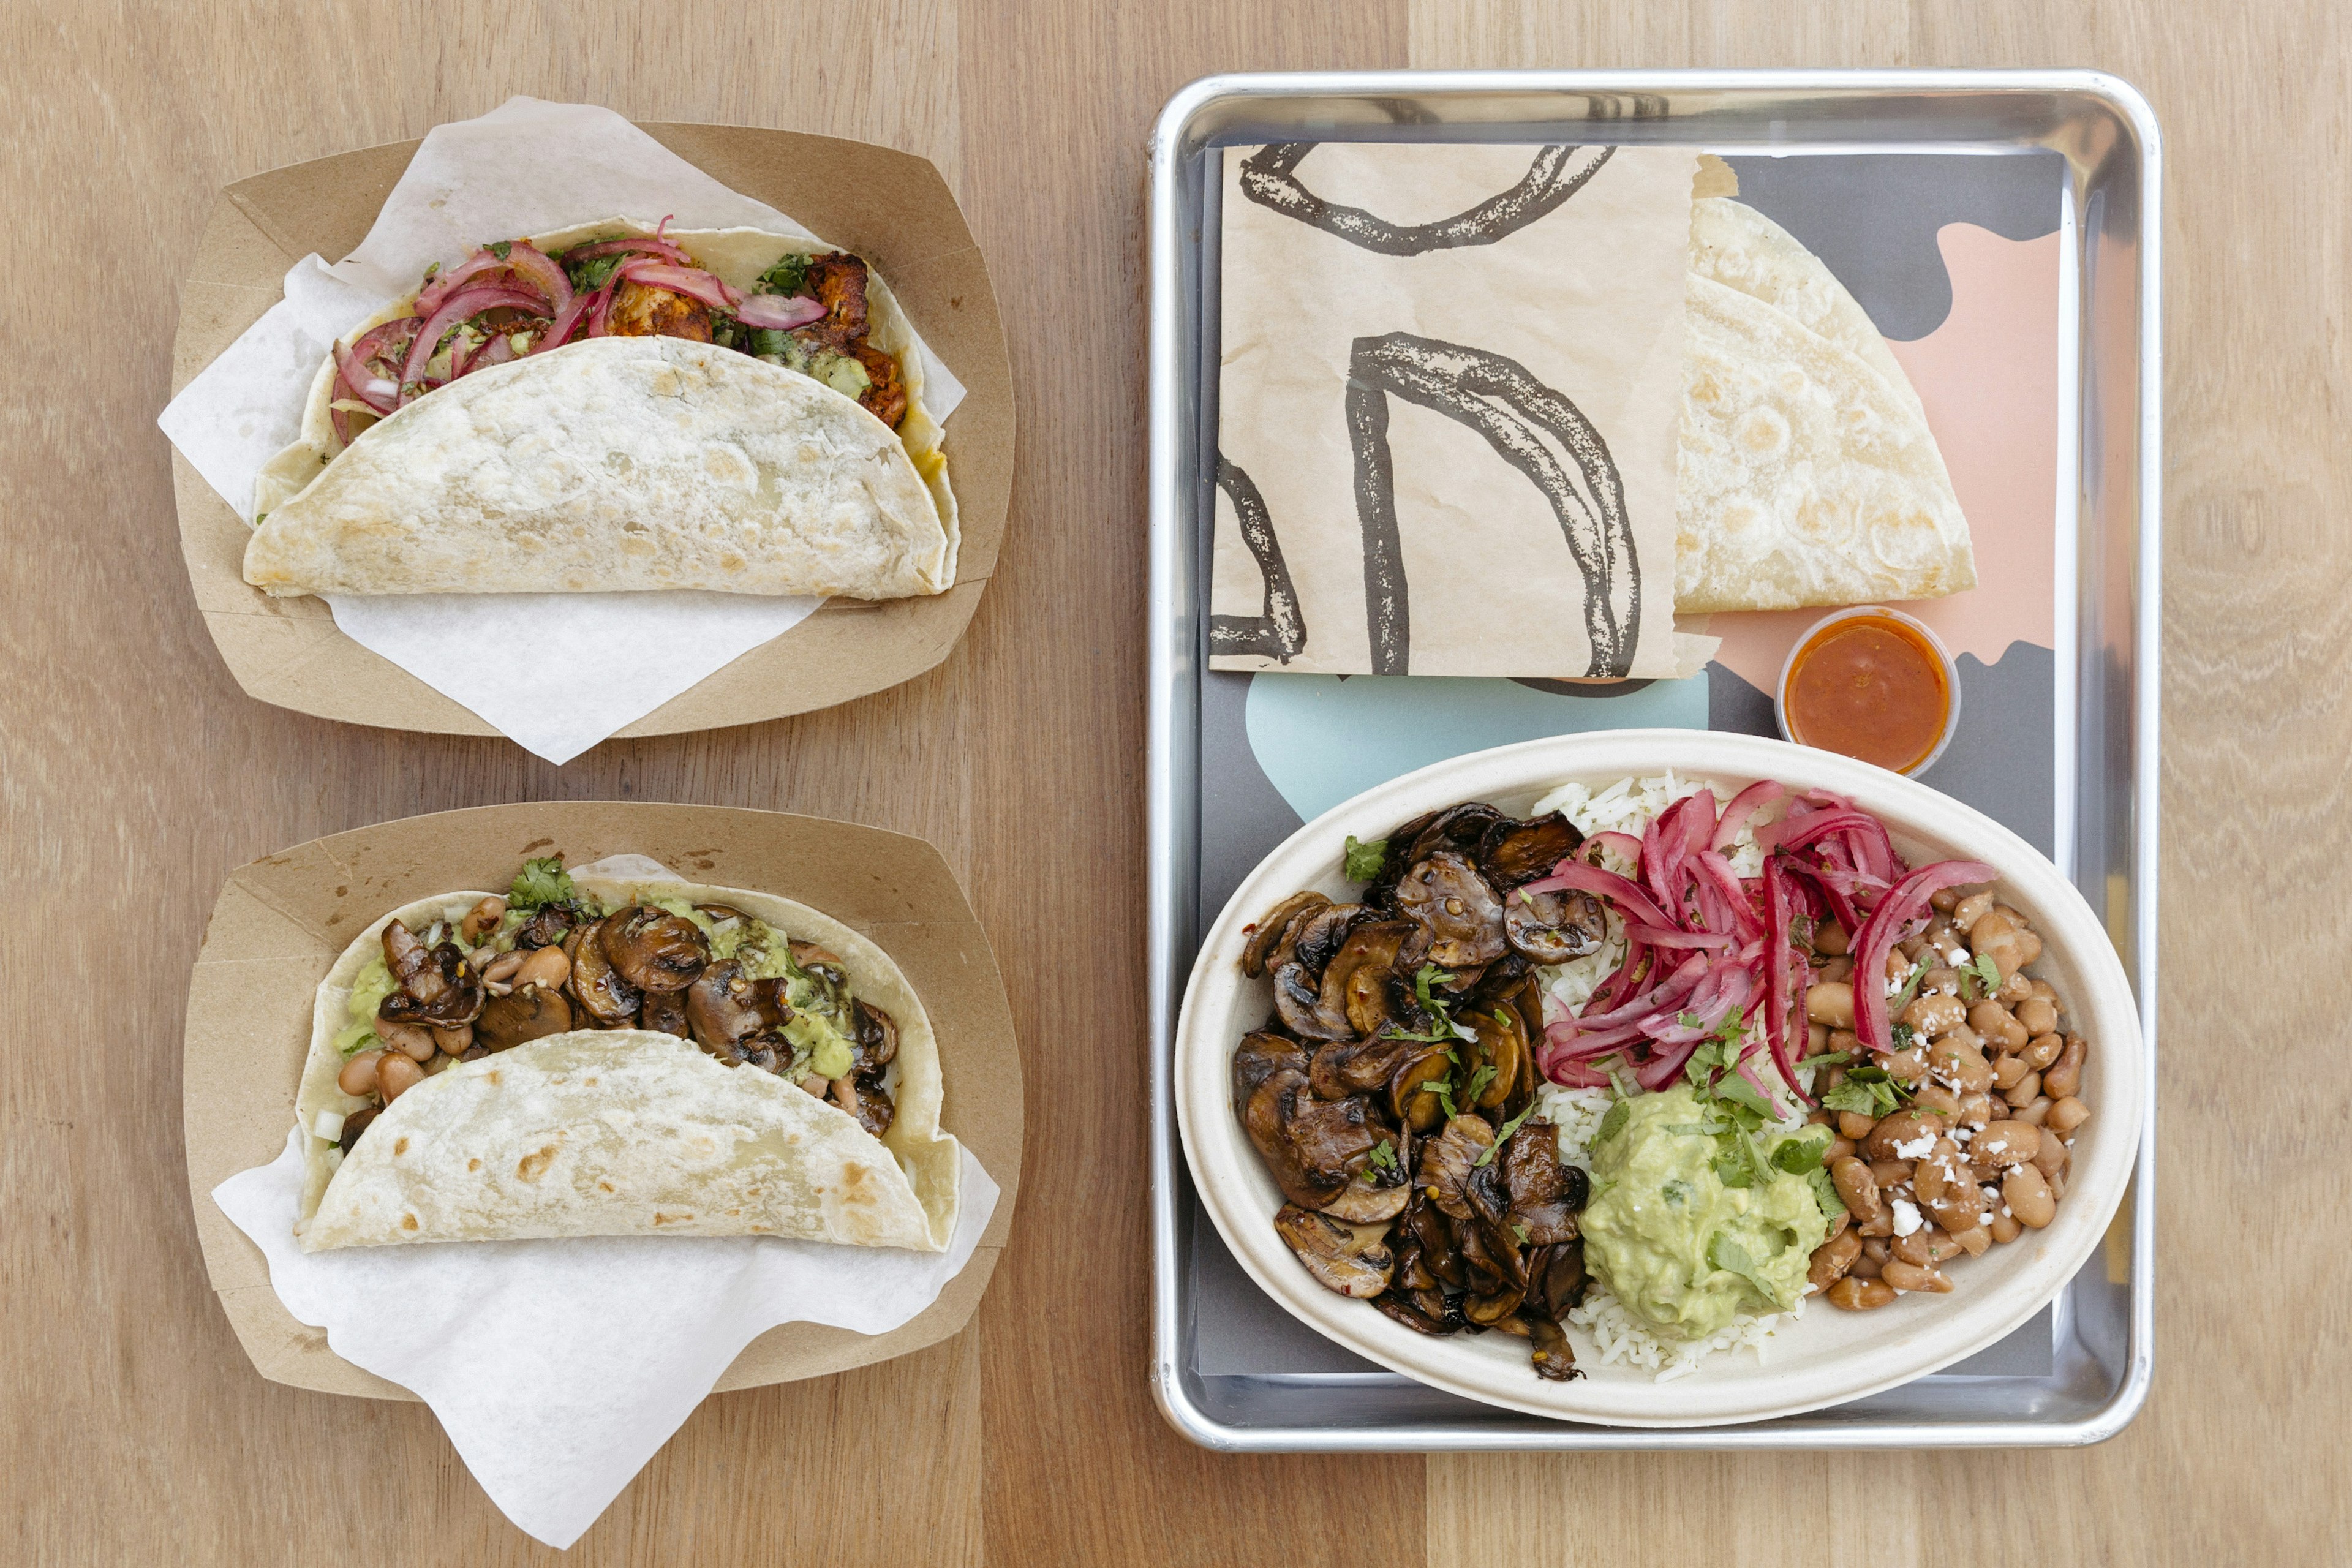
x,y
1874,224
1243,815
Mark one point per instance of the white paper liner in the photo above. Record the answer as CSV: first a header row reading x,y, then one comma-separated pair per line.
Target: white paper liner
x,y
526,167
554,1424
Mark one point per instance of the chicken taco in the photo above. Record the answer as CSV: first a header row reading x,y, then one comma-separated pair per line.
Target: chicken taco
x,y
619,407
611,1057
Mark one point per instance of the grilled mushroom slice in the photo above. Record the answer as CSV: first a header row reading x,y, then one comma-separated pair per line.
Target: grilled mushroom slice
x,y
610,1001
1553,1360
1358,1067
665,1013
871,1107
1489,1311
1332,1139
437,985
1342,1258
653,948
876,1035
1259,949
356,1123
1268,1118
1464,919
1412,1099
1447,1160
1556,1279
723,1009
1511,852
1364,1201
1538,1186
1552,928
551,925
1316,937
1501,1048
1258,1057
1357,982
1300,1001
526,1015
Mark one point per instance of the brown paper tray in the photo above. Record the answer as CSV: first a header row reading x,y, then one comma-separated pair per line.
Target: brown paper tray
x,y
892,208
280,921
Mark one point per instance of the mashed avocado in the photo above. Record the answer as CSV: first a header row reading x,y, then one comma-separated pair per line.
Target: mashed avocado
x,y
820,1023
1683,1250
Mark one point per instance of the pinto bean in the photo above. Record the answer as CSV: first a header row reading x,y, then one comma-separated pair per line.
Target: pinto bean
x,y
1855,1295
1830,1003
2027,1192
2065,1074
1856,1187
1831,1260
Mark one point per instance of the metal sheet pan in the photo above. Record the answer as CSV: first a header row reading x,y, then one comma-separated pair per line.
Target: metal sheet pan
x,y
2095,1372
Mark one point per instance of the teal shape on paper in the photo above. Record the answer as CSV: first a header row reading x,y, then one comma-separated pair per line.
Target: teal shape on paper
x,y
1323,738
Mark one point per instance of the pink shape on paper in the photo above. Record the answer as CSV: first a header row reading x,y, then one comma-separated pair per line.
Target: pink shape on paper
x,y
1989,380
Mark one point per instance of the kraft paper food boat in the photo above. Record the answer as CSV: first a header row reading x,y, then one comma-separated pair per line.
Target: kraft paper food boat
x,y
280,920
889,207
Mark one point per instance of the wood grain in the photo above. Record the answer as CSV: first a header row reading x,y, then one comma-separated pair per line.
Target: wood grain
x,y
133,775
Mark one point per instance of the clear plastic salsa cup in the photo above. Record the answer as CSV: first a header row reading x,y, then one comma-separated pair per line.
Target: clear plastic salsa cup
x,y
1873,683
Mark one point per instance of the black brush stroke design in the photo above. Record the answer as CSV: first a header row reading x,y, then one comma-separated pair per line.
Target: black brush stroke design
x,y
1268,178
1498,398
1281,631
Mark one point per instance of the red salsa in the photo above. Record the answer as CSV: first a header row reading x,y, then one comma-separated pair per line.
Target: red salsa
x,y
1871,687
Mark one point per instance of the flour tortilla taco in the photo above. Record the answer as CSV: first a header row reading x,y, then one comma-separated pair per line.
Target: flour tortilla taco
x,y
619,407
1807,473
607,1058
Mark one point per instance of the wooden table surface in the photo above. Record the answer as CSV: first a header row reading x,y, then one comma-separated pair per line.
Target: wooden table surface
x,y
133,775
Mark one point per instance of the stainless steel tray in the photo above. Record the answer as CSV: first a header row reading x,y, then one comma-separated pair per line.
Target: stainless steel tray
x,y
2095,1374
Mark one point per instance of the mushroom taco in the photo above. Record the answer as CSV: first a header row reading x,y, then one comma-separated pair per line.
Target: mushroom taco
x,y
614,1058
618,407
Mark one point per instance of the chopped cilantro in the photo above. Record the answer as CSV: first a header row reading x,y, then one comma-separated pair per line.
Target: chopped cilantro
x,y
1800,1153
788,276
597,270
1363,862
1443,1089
1825,1193
1987,972
1676,1192
1729,1255
1520,1231
1613,1123
1384,1156
1866,1091
501,249
1905,1037
1502,1133
1479,1079
540,883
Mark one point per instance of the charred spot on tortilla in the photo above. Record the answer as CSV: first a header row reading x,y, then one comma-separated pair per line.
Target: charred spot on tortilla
x,y
534,1165
474,1165
400,1146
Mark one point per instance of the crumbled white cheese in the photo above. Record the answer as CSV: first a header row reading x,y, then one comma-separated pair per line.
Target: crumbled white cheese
x,y
1964,1135
1906,1218
1917,1149
328,1125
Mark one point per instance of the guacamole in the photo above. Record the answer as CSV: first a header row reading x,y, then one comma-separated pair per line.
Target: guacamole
x,y
1683,1250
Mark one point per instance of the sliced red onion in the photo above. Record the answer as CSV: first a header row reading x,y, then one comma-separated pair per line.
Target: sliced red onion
x,y
1902,903
538,268
379,393
781,310
462,306
1745,805
1631,900
688,280
660,247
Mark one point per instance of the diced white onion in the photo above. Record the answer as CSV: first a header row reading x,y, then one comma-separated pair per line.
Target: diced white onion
x,y
328,1125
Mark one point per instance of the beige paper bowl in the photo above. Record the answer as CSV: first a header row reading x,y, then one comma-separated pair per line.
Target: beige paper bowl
x,y
1828,1357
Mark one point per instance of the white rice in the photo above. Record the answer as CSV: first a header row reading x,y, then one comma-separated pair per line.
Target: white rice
x,y
1629,805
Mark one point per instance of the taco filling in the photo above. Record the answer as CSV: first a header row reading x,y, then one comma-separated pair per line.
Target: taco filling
x,y
549,958
511,299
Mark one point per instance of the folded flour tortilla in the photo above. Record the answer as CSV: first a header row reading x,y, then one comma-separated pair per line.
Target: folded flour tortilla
x,y
629,1131
620,464
1807,473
